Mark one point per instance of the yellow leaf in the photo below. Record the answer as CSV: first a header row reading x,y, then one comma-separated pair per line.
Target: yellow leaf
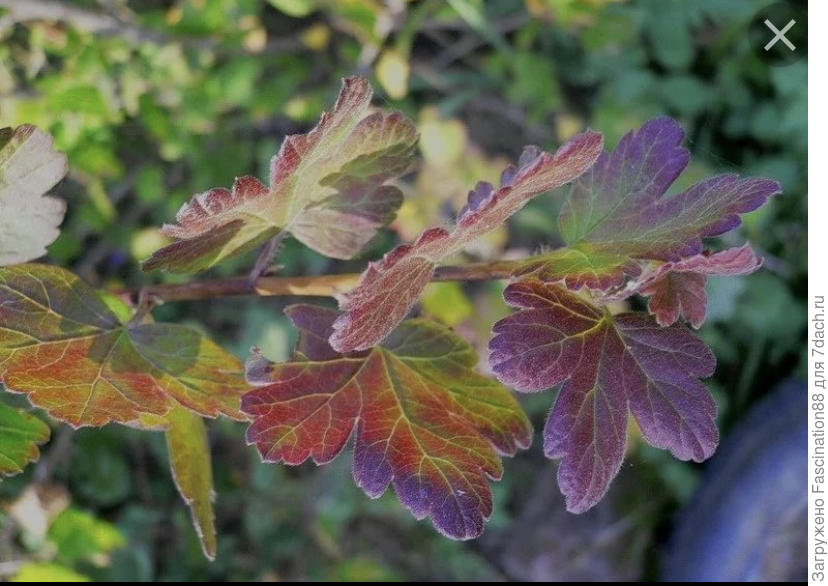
x,y
392,71
192,471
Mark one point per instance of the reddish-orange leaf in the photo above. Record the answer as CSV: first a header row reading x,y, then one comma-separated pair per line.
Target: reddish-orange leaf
x,y
62,346
425,420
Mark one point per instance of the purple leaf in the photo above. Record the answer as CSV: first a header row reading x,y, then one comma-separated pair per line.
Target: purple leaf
x,y
622,230
619,205
607,364
678,289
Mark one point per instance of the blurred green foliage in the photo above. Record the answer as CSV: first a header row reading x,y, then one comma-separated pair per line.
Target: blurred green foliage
x,y
156,100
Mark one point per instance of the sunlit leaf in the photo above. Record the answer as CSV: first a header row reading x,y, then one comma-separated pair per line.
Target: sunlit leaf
x,y
424,419
29,167
79,536
389,288
392,71
326,188
20,434
47,573
192,471
608,365
62,346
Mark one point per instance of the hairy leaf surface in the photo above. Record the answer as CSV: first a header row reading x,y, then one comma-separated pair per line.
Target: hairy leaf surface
x,y
389,288
617,218
62,346
608,365
425,420
29,167
20,434
326,188
679,288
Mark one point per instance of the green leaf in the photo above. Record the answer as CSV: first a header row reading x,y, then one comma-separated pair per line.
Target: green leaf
x,y
47,573
294,8
80,536
192,471
20,434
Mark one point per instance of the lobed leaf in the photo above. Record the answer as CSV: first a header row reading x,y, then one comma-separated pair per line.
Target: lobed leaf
x,y
608,365
192,471
326,188
679,289
425,420
63,346
620,203
29,167
389,288
619,224
20,434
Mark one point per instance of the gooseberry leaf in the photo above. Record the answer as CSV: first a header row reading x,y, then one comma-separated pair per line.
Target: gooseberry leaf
x,y
389,288
20,434
192,471
609,366
63,346
29,167
424,420
327,188
617,217
679,288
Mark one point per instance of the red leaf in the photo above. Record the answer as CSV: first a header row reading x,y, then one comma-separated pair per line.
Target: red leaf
x,y
425,421
389,288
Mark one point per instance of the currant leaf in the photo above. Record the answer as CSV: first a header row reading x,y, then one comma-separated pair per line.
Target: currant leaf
x,y
425,420
389,288
608,365
29,167
617,219
326,188
20,434
64,347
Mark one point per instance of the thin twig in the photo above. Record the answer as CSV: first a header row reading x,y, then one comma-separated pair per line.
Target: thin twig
x,y
314,286
146,301
264,260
